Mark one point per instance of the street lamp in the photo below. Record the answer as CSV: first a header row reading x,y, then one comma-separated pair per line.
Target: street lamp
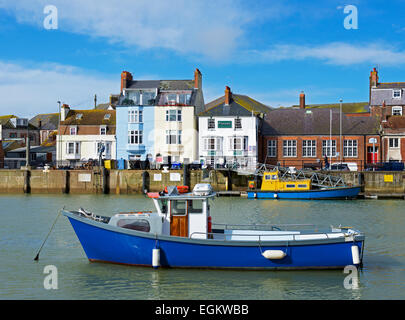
x,y
341,147
58,156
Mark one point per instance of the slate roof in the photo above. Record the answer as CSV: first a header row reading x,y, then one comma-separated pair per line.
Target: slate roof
x,y
347,107
49,121
7,124
90,117
378,96
394,124
161,84
240,105
316,122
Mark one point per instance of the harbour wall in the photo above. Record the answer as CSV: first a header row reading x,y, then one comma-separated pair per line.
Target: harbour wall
x,y
137,181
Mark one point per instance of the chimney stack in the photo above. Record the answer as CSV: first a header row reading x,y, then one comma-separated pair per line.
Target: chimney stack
x,y
228,95
197,79
64,110
373,78
125,78
302,100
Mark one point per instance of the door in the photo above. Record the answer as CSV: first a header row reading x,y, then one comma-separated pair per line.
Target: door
x,y
179,218
372,154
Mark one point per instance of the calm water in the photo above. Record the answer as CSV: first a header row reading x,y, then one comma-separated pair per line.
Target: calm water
x,y
26,220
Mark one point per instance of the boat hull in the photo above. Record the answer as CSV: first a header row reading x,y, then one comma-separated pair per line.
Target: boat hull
x,y
108,244
335,193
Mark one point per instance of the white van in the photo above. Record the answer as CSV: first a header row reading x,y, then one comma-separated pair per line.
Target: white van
x,y
344,166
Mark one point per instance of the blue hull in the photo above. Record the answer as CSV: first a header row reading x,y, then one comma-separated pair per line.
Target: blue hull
x,y
335,193
103,243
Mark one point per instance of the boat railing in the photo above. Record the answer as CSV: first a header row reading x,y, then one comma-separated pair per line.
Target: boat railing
x,y
270,226
228,237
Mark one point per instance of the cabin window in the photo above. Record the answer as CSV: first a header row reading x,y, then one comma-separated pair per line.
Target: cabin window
x,y
179,208
290,185
139,225
274,177
302,186
196,206
268,177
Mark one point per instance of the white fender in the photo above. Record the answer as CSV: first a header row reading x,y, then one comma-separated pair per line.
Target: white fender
x,y
355,254
155,258
274,254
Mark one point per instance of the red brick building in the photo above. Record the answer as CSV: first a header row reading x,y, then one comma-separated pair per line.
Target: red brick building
x,y
300,137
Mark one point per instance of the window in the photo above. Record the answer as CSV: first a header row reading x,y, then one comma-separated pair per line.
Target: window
x,y
173,136
212,144
211,123
394,142
329,148
173,115
396,94
13,135
148,98
135,116
272,148
107,116
397,111
179,207
103,130
72,148
238,123
289,148
238,143
73,131
350,148
135,136
184,99
139,224
79,116
309,148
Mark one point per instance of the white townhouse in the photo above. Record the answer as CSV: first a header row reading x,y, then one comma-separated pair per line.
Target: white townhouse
x,y
229,131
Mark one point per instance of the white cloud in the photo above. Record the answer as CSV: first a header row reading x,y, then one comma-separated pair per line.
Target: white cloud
x,y
27,91
203,28
336,53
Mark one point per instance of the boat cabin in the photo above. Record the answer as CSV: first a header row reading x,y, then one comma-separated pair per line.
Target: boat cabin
x,y
272,182
177,214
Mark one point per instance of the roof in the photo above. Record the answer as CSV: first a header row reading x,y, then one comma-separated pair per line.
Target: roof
x,y
316,122
36,149
9,145
394,124
90,117
6,123
49,121
348,107
240,105
390,85
378,96
161,84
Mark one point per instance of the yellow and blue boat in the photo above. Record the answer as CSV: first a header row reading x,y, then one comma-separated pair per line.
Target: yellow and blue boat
x,y
273,187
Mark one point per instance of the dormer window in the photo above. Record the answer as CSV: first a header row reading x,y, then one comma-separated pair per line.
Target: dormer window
x,y
103,130
73,131
396,94
107,116
79,116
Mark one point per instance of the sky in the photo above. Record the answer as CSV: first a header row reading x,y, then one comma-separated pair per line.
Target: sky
x,y
270,50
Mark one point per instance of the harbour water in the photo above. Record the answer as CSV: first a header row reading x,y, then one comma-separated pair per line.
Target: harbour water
x,y
27,219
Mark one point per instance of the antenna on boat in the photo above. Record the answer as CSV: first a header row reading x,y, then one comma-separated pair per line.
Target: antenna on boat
x,y
37,256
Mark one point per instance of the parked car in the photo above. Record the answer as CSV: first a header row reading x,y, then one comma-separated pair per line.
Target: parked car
x,y
344,166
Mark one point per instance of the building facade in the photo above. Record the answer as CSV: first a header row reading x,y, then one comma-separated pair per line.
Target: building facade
x,y
83,134
301,138
156,119
229,131
387,101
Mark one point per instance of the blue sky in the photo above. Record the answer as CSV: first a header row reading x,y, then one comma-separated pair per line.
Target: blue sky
x,y
269,50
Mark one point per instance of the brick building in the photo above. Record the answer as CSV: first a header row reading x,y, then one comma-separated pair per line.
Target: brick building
x,y
299,137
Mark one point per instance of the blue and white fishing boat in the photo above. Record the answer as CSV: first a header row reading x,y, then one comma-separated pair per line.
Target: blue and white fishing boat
x,y
180,234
